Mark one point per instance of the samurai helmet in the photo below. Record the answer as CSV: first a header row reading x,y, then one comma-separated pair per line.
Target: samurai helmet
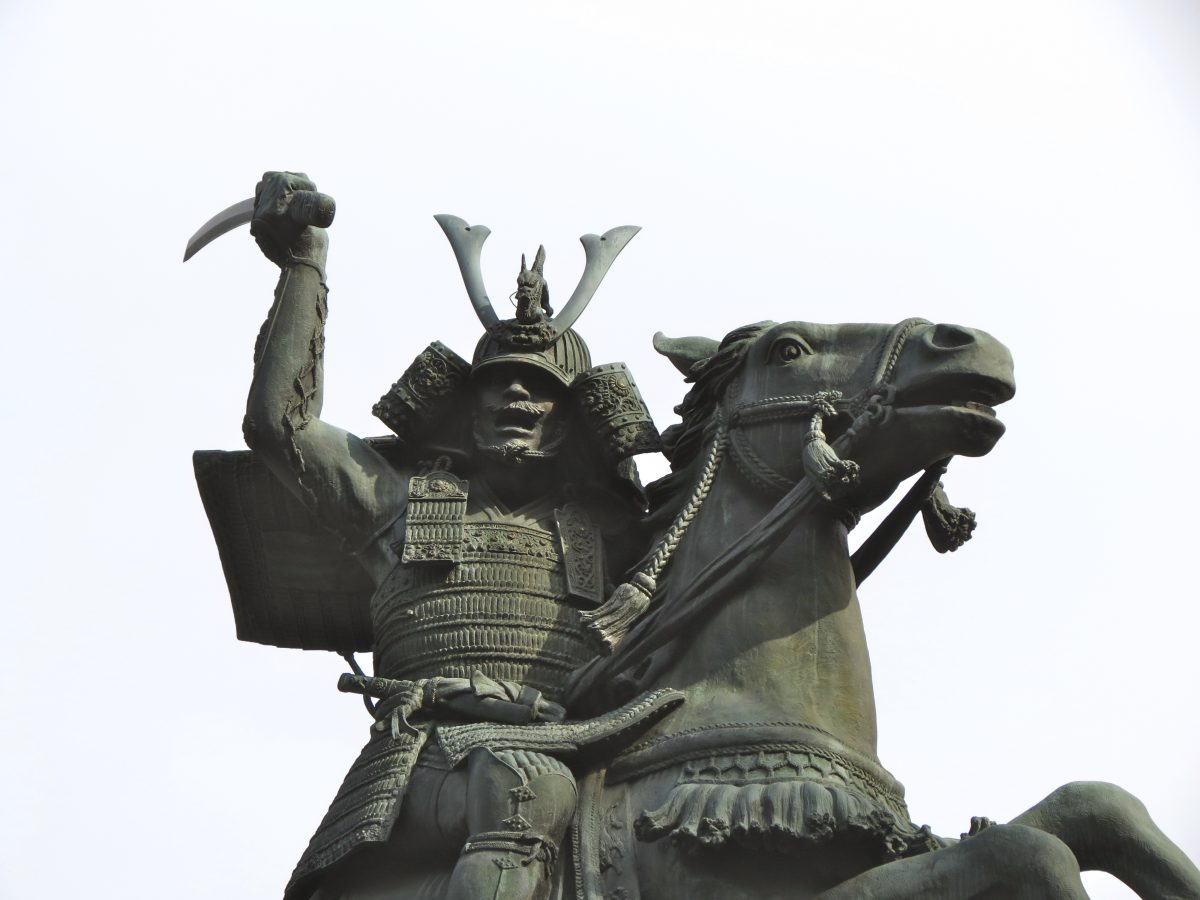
x,y
607,397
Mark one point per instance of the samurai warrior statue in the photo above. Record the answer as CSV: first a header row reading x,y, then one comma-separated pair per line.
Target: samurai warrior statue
x,y
475,553
470,547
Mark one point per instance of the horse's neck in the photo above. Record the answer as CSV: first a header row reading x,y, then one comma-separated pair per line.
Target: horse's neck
x,y
812,558
788,644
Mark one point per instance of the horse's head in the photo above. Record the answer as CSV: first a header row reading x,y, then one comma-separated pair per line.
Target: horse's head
x,y
779,417
912,394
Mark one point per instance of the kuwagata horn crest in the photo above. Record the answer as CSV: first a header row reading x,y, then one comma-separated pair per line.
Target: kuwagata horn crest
x,y
599,250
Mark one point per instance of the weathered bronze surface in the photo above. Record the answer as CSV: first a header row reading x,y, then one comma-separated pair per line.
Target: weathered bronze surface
x,y
584,690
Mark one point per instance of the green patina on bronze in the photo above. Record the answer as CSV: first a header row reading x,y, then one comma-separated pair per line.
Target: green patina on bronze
x,y
583,690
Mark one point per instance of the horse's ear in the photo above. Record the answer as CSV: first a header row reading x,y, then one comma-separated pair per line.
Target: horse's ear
x,y
685,352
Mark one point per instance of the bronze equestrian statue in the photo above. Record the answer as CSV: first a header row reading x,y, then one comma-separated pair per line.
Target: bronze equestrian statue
x,y
579,695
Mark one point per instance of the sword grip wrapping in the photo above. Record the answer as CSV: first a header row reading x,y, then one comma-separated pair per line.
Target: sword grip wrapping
x,y
311,208
381,688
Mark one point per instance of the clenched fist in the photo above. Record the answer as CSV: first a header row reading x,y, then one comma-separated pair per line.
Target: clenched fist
x,y
289,215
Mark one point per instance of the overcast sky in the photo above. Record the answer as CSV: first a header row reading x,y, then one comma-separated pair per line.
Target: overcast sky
x,y
1029,168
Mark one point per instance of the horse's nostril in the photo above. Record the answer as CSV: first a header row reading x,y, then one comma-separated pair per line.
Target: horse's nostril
x,y
950,337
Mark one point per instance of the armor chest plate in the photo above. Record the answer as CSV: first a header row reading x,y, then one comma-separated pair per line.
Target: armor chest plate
x,y
502,608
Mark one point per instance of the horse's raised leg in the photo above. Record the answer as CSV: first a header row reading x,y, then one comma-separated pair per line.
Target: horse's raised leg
x,y
1005,861
1109,830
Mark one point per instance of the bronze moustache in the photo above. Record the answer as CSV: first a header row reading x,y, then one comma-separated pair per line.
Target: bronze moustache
x,y
523,406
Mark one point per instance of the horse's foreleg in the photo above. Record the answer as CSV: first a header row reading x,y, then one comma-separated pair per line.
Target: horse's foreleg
x,y
1007,861
1109,829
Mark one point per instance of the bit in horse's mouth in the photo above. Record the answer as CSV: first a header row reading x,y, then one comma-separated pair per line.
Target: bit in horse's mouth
x,y
975,406
977,393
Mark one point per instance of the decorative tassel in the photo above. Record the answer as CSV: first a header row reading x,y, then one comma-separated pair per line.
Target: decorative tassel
x,y
612,619
948,526
830,473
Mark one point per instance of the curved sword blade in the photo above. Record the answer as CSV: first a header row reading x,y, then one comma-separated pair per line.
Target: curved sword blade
x,y
226,220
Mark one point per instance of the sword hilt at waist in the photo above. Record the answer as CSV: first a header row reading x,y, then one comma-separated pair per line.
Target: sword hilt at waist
x,y
368,686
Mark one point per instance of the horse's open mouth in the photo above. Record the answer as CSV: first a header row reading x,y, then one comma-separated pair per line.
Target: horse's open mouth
x,y
972,409
975,393
975,406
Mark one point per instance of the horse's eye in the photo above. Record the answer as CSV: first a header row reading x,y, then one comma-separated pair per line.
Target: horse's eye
x,y
788,349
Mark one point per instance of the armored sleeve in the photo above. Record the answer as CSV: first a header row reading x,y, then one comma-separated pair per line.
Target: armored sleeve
x,y
353,490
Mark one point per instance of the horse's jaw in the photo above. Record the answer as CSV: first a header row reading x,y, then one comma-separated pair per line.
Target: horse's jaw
x,y
957,406
927,435
968,429
942,405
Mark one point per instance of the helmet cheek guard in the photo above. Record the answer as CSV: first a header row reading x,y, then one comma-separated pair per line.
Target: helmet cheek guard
x,y
613,410
437,379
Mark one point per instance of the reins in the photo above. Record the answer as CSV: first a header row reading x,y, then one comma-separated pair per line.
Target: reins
x,y
627,626
831,474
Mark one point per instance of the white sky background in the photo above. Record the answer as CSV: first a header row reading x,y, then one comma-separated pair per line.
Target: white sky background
x,y
1029,168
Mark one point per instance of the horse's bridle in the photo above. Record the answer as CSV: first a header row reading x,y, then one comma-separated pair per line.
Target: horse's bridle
x,y
870,408
826,472
880,391
947,526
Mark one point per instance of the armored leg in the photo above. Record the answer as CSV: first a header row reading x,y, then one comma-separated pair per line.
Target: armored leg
x,y
519,805
417,860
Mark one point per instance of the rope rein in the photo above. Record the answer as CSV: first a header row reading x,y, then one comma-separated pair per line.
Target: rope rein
x,y
829,474
670,540
609,622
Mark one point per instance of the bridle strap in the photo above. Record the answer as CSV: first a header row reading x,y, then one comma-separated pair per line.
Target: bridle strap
x,y
832,402
770,409
637,634
756,470
872,406
889,351
875,549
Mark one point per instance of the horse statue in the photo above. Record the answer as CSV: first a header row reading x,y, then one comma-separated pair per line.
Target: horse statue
x,y
766,782
723,743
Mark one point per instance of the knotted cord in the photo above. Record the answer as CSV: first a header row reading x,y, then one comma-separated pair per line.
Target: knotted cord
x,y
626,618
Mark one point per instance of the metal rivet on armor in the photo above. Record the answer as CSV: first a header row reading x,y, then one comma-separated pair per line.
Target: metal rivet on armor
x,y
516,823
522,793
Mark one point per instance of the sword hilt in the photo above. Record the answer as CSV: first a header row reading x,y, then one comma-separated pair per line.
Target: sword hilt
x,y
381,688
311,208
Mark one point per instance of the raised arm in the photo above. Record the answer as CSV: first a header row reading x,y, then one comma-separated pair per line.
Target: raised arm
x,y
350,487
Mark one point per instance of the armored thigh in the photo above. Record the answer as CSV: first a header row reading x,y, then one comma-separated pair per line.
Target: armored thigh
x,y
519,805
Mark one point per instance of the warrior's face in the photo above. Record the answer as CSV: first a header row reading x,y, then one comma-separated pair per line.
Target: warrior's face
x,y
518,413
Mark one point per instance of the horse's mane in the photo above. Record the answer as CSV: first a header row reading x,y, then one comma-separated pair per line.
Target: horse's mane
x,y
684,442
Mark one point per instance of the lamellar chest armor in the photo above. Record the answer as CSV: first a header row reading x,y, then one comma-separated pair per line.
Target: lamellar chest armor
x,y
489,591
